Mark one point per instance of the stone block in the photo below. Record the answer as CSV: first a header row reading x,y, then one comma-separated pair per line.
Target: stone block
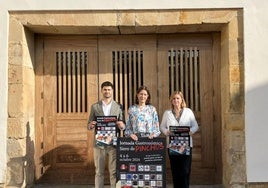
x,y
15,74
15,56
191,17
126,19
15,100
16,128
169,18
234,121
237,103
220,16
16,29
147,19
15,172
236,73
28,77
16,148
234,50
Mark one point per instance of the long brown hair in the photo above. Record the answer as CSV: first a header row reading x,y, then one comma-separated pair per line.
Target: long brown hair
x,y
183,103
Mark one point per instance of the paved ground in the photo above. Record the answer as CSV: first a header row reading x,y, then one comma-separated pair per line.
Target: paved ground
x,y
91,186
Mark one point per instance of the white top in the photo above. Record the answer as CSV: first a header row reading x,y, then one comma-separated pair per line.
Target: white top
x,y
187,119
106,108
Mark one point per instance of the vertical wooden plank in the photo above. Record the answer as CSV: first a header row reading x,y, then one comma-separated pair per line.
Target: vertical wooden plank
x,y
69,91
163,85
172,69
60,82
139,60
186,63
39,113
49,106
181,70
74,97
105,58
176,69
126,91
120,83
78,61
216,50
64,98
206,111
135,73
196,80
116,78
130,79
93,88
83,55
191,78
150,70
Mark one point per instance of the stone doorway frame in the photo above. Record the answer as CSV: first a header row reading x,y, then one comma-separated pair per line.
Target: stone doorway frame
x,y
21,81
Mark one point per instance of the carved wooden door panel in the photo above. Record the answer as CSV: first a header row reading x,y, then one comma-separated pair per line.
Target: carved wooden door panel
x,y
69,88
129,62
185,63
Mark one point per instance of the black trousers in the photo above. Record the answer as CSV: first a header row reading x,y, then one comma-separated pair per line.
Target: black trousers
x,y
181,170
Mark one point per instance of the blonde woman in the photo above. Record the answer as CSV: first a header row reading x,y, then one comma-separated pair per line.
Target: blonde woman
x,y
179,115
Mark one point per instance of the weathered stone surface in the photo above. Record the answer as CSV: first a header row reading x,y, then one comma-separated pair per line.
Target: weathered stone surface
x,y
16,128
235,121
15,100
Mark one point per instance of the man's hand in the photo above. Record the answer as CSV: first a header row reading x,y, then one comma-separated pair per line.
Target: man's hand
x,y
92,124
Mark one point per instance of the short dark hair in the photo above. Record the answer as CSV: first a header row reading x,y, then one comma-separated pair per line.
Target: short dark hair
x,y
107,83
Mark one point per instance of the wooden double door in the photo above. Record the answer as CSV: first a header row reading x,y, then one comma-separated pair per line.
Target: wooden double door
x,y
70,69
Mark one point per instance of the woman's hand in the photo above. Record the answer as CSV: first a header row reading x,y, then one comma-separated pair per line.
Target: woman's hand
x,y
168,133
151,136
120,125
134,137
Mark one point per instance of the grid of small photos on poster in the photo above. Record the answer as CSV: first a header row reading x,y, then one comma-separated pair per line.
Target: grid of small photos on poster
x,y
106,132
179,140
141,163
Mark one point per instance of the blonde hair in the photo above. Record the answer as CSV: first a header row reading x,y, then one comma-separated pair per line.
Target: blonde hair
x,y
183,104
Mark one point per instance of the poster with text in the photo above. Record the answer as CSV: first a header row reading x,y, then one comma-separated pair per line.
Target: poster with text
x,y
105,131
141,163
179,140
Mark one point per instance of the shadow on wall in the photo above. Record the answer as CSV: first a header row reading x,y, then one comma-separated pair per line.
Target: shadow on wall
x,y
21,169
64,165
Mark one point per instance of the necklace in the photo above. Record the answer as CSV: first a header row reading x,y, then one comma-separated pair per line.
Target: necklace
x,y
177,114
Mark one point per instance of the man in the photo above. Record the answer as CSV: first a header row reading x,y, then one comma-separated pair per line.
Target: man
x,y
105,107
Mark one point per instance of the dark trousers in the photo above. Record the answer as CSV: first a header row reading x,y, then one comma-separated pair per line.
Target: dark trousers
x,y
181,170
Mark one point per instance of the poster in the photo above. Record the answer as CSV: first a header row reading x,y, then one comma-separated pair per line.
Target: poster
x,y
105,131
179,140
141,163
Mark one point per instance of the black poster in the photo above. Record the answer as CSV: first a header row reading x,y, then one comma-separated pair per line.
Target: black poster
x,y
105,130
179,140
141,163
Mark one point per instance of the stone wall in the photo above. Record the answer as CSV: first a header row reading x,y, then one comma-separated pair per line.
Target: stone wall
x,y
20,141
